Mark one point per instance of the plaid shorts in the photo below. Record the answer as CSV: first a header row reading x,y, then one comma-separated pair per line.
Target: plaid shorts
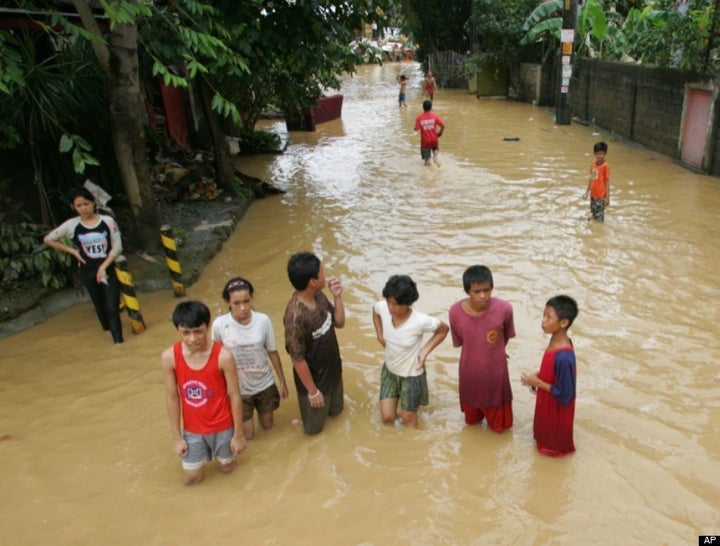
x,y
412,391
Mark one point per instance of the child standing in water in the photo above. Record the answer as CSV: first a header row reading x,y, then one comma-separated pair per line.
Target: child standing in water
x,y
202,396
430,85
555,383
482,325
402,80
400,330
598,188
249,336
97,243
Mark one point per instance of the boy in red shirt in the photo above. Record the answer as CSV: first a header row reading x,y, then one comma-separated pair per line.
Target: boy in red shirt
x,y
431,127
599,183
556,382
201,384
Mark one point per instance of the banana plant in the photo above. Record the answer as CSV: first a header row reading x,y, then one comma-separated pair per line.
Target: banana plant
x,y
545,23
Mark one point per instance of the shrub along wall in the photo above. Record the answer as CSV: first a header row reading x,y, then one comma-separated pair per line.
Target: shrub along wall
x,y
642,104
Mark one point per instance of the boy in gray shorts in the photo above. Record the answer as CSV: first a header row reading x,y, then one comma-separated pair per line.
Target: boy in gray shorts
x,y
201,385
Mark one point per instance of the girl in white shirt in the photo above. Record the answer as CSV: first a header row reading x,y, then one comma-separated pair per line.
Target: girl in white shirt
x,y
250,338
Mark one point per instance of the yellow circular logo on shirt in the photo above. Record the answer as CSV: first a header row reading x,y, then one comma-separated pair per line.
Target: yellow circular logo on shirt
x,y
492,337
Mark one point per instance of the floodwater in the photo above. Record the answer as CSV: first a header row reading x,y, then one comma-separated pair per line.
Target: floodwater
x,y
88,456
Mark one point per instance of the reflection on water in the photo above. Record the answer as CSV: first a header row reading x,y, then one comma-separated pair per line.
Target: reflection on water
x,y
89,459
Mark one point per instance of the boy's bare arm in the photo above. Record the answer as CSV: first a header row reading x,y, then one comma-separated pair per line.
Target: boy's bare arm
x,y
438,336
532,380
172,400
335,287
377,322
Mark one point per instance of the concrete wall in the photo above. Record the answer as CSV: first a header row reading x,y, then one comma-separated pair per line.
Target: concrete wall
x,y
639,103
534,82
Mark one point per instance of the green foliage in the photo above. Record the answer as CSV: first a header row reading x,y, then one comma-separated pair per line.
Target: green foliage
x,y
254,142
545,23
656,32
80,151
23,257
181,236
439,25
11,74
499,30
661,35
60,105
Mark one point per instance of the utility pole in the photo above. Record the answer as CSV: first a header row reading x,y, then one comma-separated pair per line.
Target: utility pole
x,y
567,41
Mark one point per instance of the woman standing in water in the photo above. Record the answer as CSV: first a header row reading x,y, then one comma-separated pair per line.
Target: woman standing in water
x,y
97,243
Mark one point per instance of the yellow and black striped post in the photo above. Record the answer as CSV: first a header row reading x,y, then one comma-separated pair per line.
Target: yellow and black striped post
x,y
127,291
171,259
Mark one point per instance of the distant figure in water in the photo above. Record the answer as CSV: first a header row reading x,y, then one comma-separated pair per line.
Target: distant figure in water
x,y
431,127
402,95
97,244
556,381
202,395
598,188
430,85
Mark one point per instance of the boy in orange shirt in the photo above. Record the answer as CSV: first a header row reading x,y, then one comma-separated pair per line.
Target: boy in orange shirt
x,y
599,183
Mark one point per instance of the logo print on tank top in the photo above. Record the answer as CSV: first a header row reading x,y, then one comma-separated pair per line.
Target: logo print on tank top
x,y
196,393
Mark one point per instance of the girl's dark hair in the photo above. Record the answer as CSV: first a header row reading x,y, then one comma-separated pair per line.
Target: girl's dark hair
x,y
82,192
402,289
477,274
236,284
191,314
565,308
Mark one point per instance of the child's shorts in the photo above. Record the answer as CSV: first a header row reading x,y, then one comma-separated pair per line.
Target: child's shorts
x,y
265,401
412,391
426,153
205,447
597,208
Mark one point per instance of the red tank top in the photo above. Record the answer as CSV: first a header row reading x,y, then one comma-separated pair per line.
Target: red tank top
x,y
205,404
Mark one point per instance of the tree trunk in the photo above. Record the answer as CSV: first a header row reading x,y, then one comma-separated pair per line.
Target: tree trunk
x,y
128,132
224,168
121,66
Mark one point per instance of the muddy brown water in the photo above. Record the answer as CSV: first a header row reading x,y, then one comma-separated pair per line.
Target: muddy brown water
x,y
87,458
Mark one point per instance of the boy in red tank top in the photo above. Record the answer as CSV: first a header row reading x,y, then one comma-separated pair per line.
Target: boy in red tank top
x,y
202,393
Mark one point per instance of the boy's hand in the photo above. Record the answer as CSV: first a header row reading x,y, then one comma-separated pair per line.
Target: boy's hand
x,y
238,444
180,447
529,379
335,286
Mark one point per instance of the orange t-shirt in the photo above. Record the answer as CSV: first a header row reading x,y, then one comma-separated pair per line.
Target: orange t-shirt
x,y
600,177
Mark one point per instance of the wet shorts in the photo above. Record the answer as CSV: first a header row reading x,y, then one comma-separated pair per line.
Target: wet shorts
x,y
412,391
498,419
426,153
597,208
205,447
265,401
